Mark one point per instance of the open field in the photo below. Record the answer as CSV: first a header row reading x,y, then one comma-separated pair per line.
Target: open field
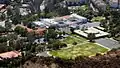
x,y
98,19
88,49
74,38
83,48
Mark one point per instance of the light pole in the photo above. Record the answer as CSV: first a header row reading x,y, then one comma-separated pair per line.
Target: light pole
x,y
46,34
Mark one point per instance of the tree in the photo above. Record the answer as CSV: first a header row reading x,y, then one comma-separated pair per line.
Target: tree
x,y
91,37
2,16
3,39
72,30
20,30
64,11
2,29
74,43
50,34
14,13
12,36
9,12
16,18
31,25
56,44
40,48
114,23
31,37
8,25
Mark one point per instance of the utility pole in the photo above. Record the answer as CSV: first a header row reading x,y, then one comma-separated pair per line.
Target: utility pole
x,y
118,3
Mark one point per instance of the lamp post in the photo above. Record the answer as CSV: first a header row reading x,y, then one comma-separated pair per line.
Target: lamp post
x,y
46,34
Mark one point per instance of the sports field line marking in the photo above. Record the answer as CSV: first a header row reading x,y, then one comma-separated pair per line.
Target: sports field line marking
x,y
103,46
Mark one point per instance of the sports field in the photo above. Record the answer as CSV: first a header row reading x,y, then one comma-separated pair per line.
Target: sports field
x,y
83,48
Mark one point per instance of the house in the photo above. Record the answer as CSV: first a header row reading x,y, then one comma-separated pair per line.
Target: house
x,y
114,3
24,9
9,55
71,20
61,22
3,13
3,8
99,4
75,2
7,2
38,31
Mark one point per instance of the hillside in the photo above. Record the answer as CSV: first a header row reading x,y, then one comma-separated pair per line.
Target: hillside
x,y
109,60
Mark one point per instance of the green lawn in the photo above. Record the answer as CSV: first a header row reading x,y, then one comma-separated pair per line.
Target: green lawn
x,y
87,49
98,19
74,38
84,7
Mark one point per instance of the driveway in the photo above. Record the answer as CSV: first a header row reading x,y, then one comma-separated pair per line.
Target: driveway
x,y
110,43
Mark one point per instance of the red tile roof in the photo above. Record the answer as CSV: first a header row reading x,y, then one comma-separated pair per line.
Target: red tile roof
x,y
11,54
38,31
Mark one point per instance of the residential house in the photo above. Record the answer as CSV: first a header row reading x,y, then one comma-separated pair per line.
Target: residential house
x,y
114,3
38,31
7,2
75,2
9,55
99,4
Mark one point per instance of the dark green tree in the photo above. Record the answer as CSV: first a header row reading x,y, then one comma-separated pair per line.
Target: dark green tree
x,y
20,30
91,37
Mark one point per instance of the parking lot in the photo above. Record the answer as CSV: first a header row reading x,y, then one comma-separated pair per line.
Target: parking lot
x,y
110,43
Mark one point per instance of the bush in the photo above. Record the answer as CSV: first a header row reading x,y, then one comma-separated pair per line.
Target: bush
x,y
74,43
3,39
20,30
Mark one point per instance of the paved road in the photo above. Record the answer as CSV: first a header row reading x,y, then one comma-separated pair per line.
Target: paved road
x,y
108,43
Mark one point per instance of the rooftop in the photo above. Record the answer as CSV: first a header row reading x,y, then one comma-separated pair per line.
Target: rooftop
x,y
8,55
98,33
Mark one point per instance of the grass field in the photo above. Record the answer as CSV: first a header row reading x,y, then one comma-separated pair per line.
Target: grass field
x,y
98,19
83,48
74,38
88,49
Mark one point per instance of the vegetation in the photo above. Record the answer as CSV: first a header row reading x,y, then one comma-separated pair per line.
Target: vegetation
x,y
111,59
91,37
77,46
72,47
20,30
72,39
97,19
56,45
88,49
84,11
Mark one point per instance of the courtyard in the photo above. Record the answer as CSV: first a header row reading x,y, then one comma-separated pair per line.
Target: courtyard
x,y
98,33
